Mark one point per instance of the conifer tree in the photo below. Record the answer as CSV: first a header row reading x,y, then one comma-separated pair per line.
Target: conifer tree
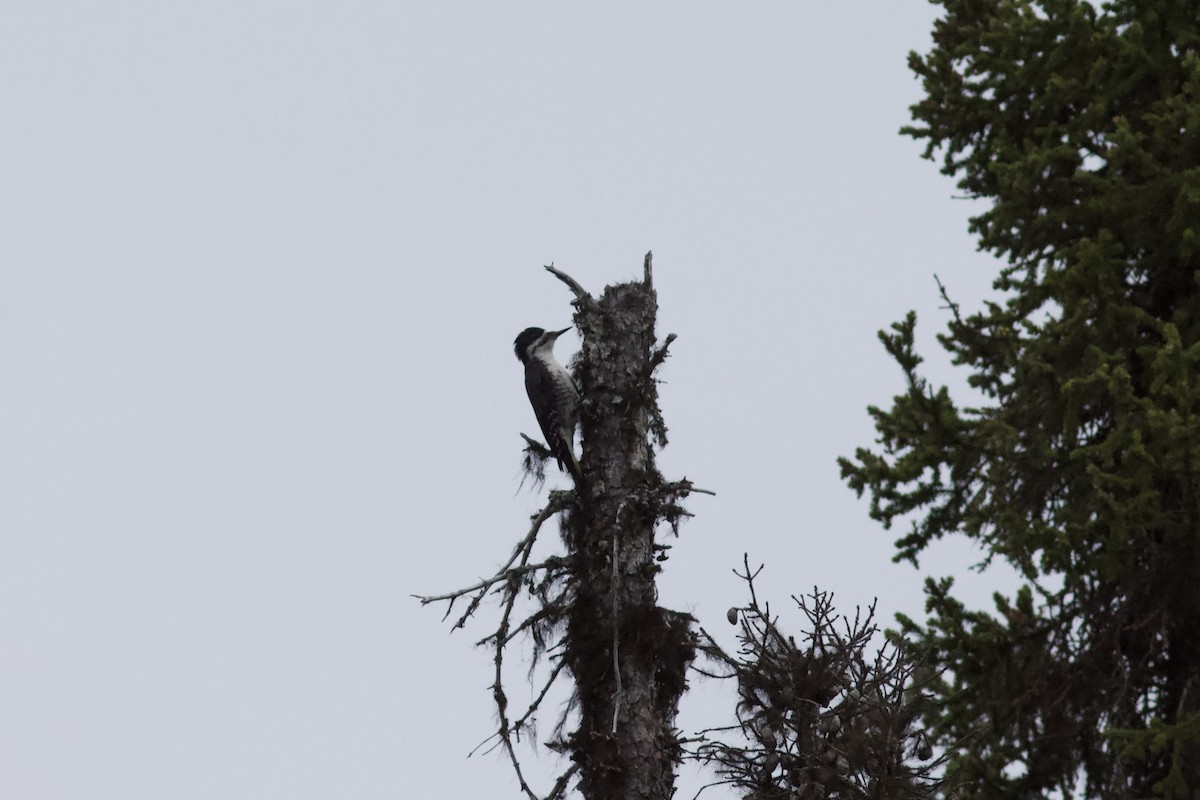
x,y
1079,123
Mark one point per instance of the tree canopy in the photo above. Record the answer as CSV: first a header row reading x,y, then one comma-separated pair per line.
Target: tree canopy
x,y
1079,124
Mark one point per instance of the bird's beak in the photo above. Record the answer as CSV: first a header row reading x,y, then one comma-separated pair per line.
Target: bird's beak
x,y
557,334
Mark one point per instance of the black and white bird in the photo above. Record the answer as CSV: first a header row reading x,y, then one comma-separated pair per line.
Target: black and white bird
x,y
552,393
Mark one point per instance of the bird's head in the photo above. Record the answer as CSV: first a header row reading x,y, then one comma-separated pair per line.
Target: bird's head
x,y
531,340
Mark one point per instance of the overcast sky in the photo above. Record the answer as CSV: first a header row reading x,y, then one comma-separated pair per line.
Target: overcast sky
x,y
261,267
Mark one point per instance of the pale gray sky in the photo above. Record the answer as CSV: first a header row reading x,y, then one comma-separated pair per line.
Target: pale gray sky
x,y
261,266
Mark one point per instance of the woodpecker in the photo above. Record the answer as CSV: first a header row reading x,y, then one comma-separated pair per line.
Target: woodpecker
x,y
552,393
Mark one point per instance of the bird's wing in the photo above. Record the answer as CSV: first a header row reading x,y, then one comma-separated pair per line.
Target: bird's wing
x,y
539,384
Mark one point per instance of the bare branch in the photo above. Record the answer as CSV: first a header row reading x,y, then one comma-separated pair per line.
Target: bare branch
x,y
537,701
508,581
660,353
560,786
505,729
506,573
950,304
683,488
579,292
503,576
537,446
533,619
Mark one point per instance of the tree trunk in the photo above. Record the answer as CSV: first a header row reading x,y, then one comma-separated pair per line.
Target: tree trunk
x,y
628,656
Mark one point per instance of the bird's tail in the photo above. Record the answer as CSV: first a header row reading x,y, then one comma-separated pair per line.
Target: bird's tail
x,y
572,465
